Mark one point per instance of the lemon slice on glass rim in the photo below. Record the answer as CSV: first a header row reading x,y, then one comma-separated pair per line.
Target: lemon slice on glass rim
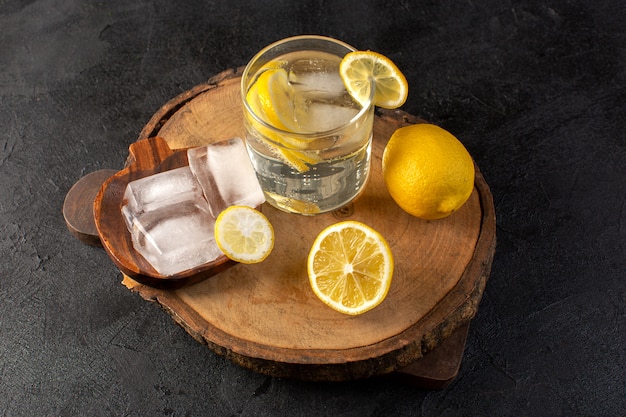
x,y
350,267
363,70
244,234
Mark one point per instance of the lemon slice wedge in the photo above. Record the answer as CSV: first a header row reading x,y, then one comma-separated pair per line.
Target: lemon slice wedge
x,y
292,205
350,267
270,98
363,70
244,234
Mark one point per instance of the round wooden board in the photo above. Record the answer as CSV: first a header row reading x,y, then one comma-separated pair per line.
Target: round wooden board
x,y
266,317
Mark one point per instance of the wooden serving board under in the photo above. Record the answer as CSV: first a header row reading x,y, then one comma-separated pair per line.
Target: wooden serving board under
x,y
265,316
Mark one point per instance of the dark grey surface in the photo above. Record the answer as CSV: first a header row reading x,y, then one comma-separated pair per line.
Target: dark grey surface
x,y
536,90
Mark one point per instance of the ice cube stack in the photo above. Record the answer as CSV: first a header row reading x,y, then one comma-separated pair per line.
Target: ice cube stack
x,y
171,215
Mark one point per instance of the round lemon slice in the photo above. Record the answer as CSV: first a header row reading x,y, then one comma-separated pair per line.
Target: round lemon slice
x,y
350,267
363,70
244,234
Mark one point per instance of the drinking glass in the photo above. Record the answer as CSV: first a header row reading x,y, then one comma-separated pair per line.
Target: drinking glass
x,y
308,139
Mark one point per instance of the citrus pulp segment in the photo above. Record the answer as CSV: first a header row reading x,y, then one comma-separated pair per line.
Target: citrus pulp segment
x,y
350,267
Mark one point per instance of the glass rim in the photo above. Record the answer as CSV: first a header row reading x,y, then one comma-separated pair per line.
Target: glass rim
x,y
312,135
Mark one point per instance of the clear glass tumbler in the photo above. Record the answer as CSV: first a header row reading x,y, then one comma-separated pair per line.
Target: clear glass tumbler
x,y
308,139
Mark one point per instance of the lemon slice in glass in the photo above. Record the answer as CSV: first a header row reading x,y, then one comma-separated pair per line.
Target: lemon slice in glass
x,y
292,205
363,70
244,234
270,98
350,267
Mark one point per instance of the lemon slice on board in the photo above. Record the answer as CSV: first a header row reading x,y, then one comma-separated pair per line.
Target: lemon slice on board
x,y
350,267
270,98
363,70
244,234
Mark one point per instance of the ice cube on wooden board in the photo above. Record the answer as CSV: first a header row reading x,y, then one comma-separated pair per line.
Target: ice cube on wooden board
x,y
226,175
171,215
174,237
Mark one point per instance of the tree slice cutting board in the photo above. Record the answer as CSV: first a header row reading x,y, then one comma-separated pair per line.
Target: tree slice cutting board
x,y
265,316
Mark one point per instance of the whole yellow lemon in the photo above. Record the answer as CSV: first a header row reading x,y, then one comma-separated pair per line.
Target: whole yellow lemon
x,y
428,172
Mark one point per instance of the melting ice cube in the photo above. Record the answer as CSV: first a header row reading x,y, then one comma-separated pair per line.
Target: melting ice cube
x,y
175,238
169,187
318,75
324,116
171,215
226,175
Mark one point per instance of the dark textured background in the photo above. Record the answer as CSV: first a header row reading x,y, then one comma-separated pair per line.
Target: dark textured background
x,y
536,90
